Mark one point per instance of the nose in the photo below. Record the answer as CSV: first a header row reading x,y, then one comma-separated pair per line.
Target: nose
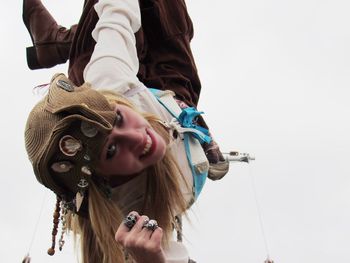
x,y
131,138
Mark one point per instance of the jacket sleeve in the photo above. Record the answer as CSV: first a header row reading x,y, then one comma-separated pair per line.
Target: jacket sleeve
x,y
114,63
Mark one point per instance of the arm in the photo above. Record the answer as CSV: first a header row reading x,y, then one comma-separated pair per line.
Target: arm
x,y
114,63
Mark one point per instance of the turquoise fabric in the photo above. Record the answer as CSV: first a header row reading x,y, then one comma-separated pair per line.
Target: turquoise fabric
x,y
186,120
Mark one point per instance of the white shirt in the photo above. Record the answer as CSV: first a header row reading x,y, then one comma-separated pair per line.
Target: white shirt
x,y
114,66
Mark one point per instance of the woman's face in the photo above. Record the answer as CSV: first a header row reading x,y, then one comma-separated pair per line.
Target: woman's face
x,y
132,146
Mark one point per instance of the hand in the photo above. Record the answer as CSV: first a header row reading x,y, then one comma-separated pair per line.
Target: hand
x,y
144,244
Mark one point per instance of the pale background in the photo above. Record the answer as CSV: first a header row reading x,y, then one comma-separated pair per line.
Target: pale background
x,y
275,77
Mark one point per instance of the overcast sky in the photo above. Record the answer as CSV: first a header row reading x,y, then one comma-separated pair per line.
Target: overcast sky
x,y
275,77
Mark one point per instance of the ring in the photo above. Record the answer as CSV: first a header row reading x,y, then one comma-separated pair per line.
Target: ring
x,y
130,221
151,225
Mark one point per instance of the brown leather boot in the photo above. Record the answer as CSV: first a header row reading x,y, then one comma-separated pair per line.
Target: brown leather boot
x,y
51,42
218,165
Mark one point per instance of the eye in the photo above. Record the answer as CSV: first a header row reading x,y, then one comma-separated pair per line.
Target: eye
x,y
119,119
111,151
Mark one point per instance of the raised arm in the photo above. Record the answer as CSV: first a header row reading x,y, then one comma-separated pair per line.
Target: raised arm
x,y
114,63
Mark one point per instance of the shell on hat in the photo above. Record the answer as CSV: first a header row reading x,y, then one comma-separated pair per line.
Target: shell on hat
x,y
62,167
86,170
88,129
69,146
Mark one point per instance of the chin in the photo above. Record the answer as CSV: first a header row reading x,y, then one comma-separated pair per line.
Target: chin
x,y
157,157
161,153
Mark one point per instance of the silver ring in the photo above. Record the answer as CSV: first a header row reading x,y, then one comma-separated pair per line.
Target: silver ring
x,y
130,220
151,225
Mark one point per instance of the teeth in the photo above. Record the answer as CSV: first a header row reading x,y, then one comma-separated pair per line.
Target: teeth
x,y
148,145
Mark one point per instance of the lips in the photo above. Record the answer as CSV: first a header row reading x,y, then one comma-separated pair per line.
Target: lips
x,y
147,145
150,145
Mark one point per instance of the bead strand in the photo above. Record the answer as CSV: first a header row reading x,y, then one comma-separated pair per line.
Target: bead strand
x,y
63,223
56,219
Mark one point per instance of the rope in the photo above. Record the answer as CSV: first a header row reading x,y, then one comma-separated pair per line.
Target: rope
x,y
259,211
38,220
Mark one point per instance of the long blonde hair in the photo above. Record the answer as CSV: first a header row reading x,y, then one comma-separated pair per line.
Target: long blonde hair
x,y
163,201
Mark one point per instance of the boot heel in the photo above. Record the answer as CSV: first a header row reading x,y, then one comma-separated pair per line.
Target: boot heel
x,y
32,58
47,56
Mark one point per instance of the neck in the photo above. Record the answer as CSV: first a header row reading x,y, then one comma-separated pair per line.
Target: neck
x,y
117,180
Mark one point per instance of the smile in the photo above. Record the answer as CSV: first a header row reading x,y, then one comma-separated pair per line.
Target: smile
x,y
150,145
147,145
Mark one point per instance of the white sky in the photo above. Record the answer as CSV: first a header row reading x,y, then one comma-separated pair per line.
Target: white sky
x,y
275,78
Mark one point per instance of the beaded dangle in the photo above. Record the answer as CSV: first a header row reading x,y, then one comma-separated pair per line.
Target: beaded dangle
x,y
63,224
56,219
178,228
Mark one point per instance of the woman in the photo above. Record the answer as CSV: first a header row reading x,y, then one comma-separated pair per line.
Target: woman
x,y
105,154
163,49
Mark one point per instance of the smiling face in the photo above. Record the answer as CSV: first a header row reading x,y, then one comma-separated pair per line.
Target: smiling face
x,y
132,145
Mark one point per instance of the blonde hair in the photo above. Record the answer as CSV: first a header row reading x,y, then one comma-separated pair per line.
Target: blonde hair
x,y
163,201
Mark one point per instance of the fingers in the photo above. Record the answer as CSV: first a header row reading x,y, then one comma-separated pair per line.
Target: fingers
x,y
136,229
139,226
141,237
131,220
125,227
157,235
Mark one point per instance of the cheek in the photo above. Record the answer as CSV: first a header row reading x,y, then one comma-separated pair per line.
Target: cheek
x,y
164,149
161,148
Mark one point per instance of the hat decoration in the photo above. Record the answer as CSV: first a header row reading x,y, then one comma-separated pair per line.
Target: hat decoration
x,y
79,197
88,129
62,167
69,146
86,170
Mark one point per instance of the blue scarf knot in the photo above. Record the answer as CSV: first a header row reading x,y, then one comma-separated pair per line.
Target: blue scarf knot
x,y
186,120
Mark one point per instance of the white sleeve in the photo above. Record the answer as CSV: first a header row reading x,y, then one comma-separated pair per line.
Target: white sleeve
x,y
176,253
114,63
